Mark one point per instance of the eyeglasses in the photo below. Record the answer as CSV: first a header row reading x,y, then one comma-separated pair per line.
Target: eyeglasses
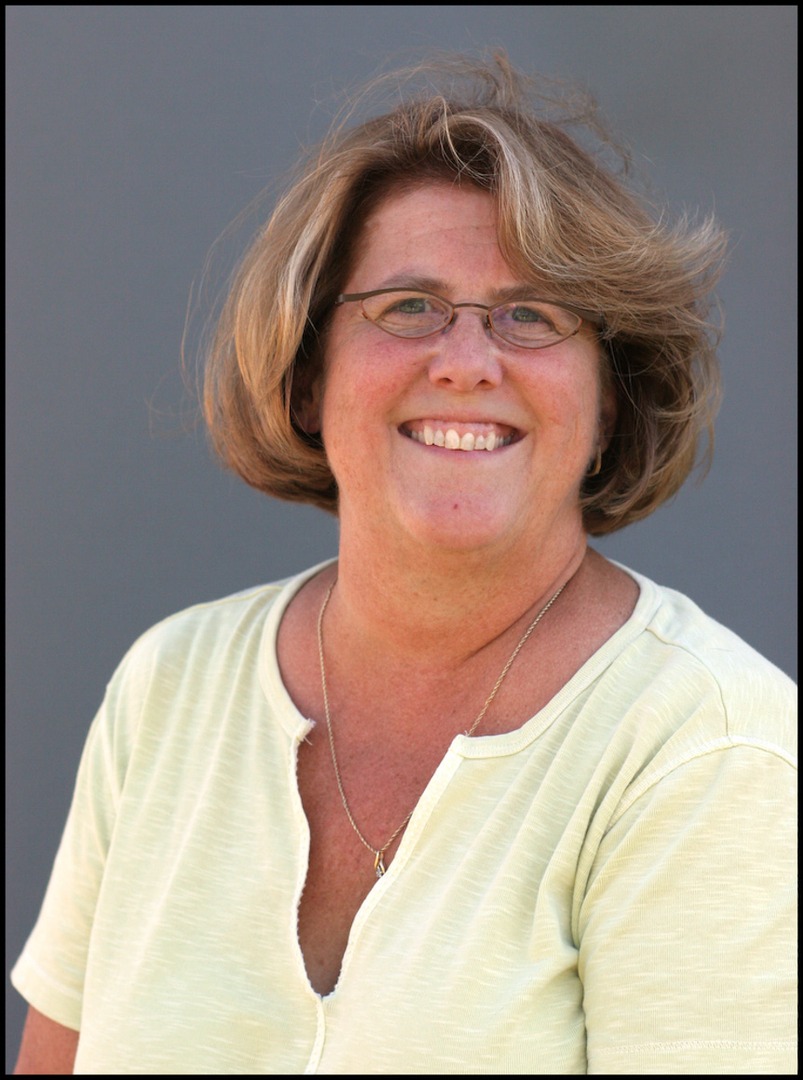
x,y
411,313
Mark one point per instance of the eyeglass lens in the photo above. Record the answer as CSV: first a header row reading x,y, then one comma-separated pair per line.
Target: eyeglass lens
x,y
529,323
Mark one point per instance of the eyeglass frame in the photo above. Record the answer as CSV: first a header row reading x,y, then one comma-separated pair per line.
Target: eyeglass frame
x,y
583,314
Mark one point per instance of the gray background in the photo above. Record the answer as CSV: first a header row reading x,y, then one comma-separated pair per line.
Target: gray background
x,y
136,135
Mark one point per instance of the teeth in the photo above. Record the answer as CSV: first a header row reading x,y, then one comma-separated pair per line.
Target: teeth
x,y
452,440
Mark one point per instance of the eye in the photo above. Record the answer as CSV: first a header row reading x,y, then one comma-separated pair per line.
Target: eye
x,y
409,305
527,313
534,324
406,314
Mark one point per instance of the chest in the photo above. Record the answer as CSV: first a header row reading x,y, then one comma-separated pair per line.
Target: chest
x,y
349,835
470,916
462,953
358,800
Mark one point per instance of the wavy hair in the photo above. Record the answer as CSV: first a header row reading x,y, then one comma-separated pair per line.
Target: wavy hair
x,y
567,215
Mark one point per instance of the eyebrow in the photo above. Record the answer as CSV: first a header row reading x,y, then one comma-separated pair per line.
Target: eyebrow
x,y
409,280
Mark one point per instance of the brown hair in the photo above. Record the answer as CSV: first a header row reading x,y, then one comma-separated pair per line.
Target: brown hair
x,y
565,217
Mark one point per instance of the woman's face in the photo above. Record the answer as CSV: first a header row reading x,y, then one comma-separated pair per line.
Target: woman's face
x,y
381,393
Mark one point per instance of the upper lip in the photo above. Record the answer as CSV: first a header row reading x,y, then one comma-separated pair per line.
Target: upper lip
x,y
443,421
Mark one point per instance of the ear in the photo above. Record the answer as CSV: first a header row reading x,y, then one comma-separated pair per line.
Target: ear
x,y
608,412
307,404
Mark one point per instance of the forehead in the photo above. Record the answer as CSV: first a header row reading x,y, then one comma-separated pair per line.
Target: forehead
x,y
435,199
434,220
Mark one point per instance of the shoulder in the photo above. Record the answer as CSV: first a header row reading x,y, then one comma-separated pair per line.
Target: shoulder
x,y
198,657
206,624
720,688
189,640
699,735
213,628
187,679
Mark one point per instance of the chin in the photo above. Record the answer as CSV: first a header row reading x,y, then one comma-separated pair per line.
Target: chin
x,y
459,523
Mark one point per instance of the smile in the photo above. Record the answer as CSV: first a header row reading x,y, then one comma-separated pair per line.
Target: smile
x,y
454,436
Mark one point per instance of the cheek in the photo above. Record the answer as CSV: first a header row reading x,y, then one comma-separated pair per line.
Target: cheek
x,y
364,372
596,401
570,404
357,397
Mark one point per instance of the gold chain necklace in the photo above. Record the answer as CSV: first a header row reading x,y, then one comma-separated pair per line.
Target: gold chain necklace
x,y
378,853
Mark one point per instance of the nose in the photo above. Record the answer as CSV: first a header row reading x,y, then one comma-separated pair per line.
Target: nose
x,y
464,355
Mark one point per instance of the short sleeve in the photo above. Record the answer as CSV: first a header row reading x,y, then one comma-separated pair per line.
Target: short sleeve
x,y
51,968
688,926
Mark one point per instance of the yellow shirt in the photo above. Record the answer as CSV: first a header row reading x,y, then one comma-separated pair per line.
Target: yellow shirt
x,y
610,889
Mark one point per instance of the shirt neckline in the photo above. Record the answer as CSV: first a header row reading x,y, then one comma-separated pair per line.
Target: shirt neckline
x,y
476,746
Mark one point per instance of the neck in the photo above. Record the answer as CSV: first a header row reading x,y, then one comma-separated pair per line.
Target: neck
x,y
439,609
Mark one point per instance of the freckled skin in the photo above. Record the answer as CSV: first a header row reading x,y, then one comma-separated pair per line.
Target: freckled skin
x,y
396,490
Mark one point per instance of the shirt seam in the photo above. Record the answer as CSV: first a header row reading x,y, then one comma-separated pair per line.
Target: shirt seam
x,y
725,742
695,1044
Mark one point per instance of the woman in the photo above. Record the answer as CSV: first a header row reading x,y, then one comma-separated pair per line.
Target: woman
x,y
471,798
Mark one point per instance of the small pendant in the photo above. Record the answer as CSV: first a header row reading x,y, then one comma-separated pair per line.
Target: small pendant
x,y
379,865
